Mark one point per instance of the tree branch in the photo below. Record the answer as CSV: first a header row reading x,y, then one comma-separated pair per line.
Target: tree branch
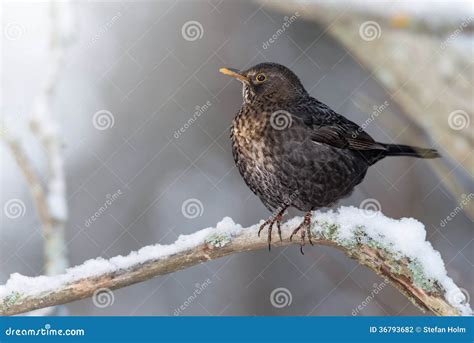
x,y
437,294
46,130
50,200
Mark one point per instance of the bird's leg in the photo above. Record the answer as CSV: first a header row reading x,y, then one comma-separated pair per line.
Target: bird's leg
x,y
304,227
270,221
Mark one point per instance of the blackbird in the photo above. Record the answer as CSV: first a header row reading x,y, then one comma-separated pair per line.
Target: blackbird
x,y
294,151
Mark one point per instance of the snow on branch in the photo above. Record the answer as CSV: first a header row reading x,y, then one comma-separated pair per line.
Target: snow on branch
x,y
395,249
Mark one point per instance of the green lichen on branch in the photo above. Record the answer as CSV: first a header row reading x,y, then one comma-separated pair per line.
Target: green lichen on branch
x,y
326,230
419,278
11,299
372,242
219,240
398,263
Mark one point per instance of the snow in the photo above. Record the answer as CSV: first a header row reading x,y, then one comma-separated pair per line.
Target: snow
x,y
30,286
403,237
431,11
442,16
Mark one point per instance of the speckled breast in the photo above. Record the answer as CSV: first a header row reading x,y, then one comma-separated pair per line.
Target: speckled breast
x,y
253,156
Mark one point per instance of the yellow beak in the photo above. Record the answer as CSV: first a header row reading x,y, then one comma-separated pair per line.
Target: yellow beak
x,y
234,73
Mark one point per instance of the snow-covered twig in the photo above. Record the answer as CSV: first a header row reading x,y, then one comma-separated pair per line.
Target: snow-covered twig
x,y
394,249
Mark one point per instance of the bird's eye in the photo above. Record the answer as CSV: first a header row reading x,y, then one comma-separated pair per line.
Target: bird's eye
x,y
260,77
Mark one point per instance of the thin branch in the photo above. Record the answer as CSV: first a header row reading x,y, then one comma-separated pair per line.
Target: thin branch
x,y
32,179
45,128
50,200
22,294
55,261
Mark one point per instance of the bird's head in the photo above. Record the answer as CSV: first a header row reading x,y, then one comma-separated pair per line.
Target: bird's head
x,y
271,81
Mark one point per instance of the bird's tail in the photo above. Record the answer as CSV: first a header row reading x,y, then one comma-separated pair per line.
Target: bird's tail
x,y
413,151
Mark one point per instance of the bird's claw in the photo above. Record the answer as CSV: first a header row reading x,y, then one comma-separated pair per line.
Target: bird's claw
x,y
304,228
270,222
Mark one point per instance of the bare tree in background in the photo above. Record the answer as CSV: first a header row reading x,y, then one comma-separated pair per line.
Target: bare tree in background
x,y
49,198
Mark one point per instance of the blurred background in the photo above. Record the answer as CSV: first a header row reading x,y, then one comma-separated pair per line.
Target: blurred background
x,y
114,117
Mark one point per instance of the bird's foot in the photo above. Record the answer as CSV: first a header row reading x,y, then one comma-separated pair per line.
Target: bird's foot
x,y
304,228
270,222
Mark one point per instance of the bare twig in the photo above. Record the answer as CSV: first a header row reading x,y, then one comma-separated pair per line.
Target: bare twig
x,y
33,181
46,130
55,261
49,201
208,244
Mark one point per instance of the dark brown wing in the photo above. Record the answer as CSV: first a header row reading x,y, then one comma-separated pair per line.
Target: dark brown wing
x,y
344,137
329,127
